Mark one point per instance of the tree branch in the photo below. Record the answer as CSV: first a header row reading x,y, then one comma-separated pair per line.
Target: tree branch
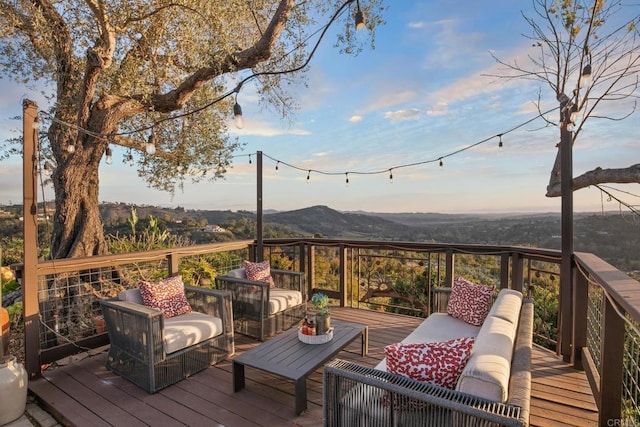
x,y
597,176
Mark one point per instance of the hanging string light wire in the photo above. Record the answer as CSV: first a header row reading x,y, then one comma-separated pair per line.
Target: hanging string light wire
x,y
388,170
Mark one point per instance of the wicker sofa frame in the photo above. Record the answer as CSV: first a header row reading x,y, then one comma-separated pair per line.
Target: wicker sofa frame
x,y
136,349
250,301
355,395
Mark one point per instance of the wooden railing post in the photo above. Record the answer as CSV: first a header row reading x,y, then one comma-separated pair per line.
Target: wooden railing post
x,y
580,303
449,273
30,234
504,270
173,262
517,271
612,353
343,275
311,269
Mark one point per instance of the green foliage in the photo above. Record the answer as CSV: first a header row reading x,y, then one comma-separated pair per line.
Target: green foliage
x,y
153,236
320,302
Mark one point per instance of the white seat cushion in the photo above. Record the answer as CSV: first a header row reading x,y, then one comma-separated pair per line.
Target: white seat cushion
x,y
489,367
281,299
188,329
438,327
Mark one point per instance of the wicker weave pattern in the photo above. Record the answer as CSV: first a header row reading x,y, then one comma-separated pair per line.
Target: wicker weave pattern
x,y
136,350
355,395
251,304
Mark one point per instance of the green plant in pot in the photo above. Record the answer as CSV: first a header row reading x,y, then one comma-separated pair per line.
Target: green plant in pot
x,y
320,303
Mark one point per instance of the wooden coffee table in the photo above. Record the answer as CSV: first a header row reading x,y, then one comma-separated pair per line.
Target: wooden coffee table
x,y
288,357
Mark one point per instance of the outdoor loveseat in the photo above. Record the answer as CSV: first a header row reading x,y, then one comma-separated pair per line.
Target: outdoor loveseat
x,y
153,351
261,309
494,387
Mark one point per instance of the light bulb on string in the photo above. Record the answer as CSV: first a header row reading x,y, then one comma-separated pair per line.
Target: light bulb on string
x,y
277,164
359,17
500,142
441,162
346,181
71,148
36,123
308,176
585,77
150,146
391,176
250,162
108,158
237,113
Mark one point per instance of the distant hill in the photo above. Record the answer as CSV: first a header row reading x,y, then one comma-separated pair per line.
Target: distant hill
x,y
613,236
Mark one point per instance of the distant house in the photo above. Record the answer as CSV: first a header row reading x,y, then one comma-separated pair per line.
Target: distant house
x,y
213,229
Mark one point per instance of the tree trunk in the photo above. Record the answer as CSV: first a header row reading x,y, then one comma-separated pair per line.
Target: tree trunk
x,y
78,227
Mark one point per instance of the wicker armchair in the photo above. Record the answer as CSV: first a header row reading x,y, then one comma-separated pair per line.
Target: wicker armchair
x,y
140,337
260,311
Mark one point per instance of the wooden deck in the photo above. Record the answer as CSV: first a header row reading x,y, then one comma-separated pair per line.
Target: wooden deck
x,y
83,393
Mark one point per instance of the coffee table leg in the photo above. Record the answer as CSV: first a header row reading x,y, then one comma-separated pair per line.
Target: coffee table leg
x,y
238,376
365,341
301,395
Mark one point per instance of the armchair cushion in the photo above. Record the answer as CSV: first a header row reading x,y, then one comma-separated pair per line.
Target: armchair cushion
x,y
259,271
189,329
282,299
166,295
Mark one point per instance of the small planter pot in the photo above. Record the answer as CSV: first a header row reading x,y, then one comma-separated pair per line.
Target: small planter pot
x,y
323,324
13,389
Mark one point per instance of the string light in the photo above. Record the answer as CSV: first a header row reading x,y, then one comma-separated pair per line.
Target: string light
x,y
249,158
108,158
359,17
237,110
277,164
150,146
308,176
439,160
500,141
391,176
71,148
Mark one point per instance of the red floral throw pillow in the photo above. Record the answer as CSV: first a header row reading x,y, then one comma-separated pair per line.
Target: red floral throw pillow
x,y
259,271
166,295
439,363
470,302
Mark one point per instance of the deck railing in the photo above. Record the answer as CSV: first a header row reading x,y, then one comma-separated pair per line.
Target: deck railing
x,y
62,308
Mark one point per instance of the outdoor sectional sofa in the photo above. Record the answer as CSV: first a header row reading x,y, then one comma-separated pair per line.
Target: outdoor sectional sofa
x,y
494,387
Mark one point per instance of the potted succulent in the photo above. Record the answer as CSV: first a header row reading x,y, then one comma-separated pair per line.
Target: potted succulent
x,y
320,303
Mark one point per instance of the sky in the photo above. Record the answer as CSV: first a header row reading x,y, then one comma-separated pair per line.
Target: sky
x,y
424,93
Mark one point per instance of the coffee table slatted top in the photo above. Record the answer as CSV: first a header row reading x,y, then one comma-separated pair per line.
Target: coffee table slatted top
x,y
288,357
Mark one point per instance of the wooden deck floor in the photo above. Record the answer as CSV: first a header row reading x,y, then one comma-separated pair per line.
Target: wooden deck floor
x,y
83,393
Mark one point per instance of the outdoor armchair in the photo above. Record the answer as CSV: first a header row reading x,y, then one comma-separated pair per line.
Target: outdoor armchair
x,y
261,311
153,351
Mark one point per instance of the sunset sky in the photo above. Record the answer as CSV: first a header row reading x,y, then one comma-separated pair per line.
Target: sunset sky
x,y
423,94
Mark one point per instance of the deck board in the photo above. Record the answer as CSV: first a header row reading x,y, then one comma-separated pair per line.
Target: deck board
x,y
85,393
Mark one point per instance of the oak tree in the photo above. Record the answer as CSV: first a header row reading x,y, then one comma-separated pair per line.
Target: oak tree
x,y
157,78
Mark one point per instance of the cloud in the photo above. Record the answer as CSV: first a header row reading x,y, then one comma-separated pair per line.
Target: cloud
x,y
399,115
355,119
440,109
417,25
260,128
390,99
